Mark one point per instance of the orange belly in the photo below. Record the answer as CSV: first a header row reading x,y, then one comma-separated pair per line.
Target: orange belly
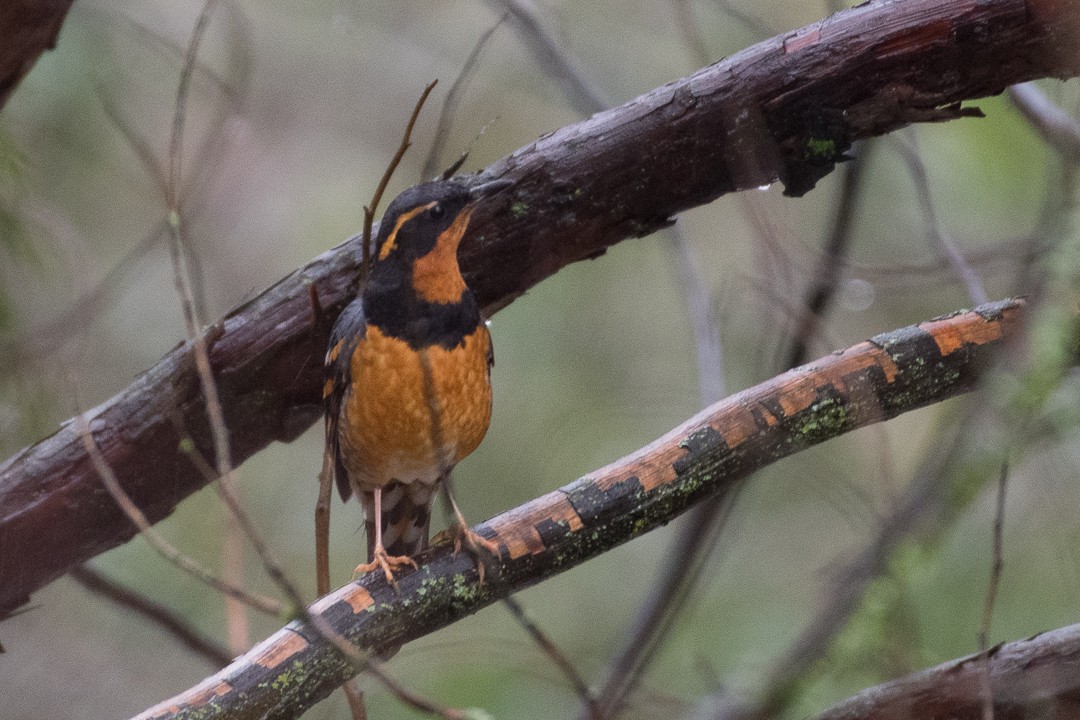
x,y
387,423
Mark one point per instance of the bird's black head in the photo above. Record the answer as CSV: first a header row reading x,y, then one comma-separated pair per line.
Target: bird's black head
x,y
419,236
417,218
411,226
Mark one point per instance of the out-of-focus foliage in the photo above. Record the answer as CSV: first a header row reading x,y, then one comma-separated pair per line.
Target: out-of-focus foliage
x,y
294,111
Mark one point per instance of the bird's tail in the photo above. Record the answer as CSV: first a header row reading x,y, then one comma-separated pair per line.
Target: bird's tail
x,y
406,516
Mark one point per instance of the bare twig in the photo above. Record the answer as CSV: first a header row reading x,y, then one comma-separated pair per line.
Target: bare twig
x,y
223,470
453,101
746,19
702,529
699,305
691,32
673,589
826,276
992,589
582,96
94,581
159,543
553,652
938,234
355,697
1057,127
372,207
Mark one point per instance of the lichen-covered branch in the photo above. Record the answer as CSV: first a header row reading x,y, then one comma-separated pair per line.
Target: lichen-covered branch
x,y
873,381
784,109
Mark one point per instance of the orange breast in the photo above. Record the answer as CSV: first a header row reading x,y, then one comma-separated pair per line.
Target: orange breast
x,y
387,420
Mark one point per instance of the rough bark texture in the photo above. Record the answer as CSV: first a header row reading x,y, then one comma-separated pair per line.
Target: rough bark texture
x,y
1034,678
784,109
870,382
27,29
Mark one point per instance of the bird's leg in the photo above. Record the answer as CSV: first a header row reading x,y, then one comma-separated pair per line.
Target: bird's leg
x,y
388,563
476,543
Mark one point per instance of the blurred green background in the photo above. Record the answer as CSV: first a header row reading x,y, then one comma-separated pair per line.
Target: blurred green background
x,y
295,111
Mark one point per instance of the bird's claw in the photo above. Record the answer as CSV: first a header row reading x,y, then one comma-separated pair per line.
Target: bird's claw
x,y
389,564
476,544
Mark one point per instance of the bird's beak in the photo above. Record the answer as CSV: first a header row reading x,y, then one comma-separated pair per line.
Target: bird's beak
x,y
486,189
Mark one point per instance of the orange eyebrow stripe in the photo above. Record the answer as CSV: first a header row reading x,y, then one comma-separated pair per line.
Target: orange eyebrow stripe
x,y
391,241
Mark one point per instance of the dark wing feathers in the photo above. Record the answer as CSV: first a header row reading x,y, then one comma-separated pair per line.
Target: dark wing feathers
x,y
347,333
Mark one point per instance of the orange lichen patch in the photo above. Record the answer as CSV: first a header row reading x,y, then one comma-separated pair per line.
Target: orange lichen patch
x,y
801,39
736,426
198,696
281,646
387,431
884,361
833,369
798,393
391,242
953,333
355,596
517,529
436,276
358,598
651,465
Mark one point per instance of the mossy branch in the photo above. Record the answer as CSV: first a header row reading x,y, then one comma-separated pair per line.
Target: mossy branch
x,y
870,382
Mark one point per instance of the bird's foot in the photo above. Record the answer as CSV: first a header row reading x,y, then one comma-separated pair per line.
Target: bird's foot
x,y
389,564
477,545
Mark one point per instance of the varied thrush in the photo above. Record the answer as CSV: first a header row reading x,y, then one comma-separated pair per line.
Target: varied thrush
x,y
408,374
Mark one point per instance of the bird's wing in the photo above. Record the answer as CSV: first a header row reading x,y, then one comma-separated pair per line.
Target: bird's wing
x,y
347,333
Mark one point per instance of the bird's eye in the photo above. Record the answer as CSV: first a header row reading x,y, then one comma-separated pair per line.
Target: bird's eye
x,y
437,211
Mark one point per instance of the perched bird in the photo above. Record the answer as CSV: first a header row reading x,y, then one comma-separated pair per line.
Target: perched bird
x,y
408,374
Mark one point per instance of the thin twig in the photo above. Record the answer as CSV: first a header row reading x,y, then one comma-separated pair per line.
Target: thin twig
x,y
581,95
992,589
420,703
699,306
453,101
826,276
554,653
694,546
355,697
370,208
176,138
223,470
760,28
1058,128
941,237
159,543
673,589
920,512
690,29
94,581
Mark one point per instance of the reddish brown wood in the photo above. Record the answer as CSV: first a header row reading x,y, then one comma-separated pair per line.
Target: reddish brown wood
x,y
784,109
1036,677
27,29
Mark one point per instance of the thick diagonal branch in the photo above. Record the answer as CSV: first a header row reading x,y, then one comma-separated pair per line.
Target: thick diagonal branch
x,y
867,383
784,109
